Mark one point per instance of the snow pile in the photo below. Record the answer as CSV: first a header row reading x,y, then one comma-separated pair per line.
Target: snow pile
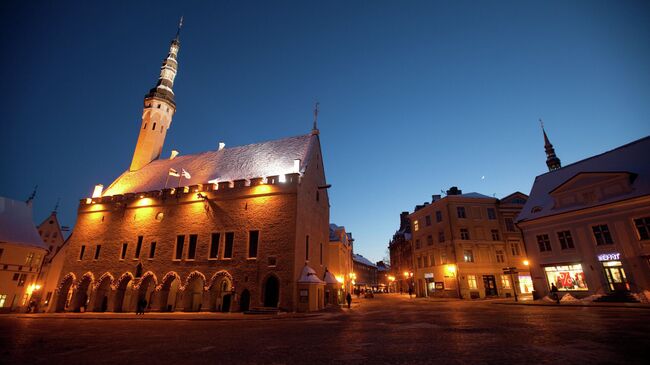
x,y
548,299
568,298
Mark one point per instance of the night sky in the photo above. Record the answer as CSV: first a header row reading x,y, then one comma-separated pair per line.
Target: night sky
x,y
416,96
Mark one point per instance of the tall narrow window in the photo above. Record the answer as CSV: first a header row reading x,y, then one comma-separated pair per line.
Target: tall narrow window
x,y
138,248
81,253
460,211
253,240
510,224
643,228
471,282
427,220
321,253
214,245
180,245
307,248
227,250
154,127
544,243
500,256
191,249
438,216
152,250
464,234
125,246
491,213
468,256
495,235
98,248
566,241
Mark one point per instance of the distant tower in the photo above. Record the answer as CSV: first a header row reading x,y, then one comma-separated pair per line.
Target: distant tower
x,y
552,161
159,108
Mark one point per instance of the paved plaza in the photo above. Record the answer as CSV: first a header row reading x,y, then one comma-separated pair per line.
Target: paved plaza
x,y
389,329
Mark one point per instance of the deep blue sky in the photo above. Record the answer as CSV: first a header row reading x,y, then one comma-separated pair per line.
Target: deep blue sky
x,y
416,96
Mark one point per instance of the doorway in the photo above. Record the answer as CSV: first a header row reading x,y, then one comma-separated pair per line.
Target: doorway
x,y
245,300
271,292
615,275
490,285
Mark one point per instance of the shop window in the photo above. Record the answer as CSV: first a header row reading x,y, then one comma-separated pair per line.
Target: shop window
x,y
643,228
544,243
98,249
191,248
460,212
491,213
253,240
438,216
510,224
566,277
180,245
468,256
602,235
214,245
566,241
505,282
3,300
495,235
228,246
427,220
464,234
500,256
471,282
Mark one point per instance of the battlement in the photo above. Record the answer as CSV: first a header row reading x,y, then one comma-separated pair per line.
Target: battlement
x,y
241,188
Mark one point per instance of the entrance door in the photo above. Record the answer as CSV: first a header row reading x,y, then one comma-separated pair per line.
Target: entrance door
x,y
490,285
616,278
225,305
245,300
271,292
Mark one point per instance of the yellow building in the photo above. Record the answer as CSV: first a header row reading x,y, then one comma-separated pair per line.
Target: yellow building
x,y
340,260
462,243
21,255
52,234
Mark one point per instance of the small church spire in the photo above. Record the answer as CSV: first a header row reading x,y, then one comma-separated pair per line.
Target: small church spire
x,y
178,31
552,161
314,129
56,206
32,196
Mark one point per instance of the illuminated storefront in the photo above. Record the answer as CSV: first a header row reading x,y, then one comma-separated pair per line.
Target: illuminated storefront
x,y
569,277
614,272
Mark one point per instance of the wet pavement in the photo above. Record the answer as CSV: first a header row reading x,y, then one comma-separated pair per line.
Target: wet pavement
x,y
389,329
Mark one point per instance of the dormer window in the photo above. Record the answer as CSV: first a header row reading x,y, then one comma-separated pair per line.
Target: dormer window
x,y
536,209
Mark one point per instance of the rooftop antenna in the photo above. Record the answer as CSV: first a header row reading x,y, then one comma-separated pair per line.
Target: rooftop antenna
x,y
31,197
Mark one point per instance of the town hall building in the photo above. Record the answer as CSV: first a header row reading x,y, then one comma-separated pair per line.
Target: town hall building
x,y
231,229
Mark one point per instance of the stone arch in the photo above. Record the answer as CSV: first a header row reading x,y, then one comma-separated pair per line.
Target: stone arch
x,y
64,292
193,292
221,292
168,291
103,288
271,291
146,288
83,291
123,293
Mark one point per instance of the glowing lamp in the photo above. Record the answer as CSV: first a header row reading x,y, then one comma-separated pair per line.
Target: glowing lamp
x,y
98,191
282,178
340,279
526,262
89,200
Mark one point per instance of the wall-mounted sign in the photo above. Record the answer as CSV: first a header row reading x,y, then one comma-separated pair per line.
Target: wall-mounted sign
x,y
440,285
428,275
609,256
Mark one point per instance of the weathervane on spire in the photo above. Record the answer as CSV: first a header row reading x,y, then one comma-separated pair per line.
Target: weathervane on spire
x,y
316,105
541,122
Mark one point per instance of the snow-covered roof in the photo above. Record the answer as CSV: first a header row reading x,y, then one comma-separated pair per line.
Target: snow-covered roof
x,y
632,158
309,276
362,260
330,278
475,195
17,225
228,164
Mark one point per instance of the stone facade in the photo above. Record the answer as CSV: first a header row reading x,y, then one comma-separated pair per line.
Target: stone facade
x,y
401,254
462,242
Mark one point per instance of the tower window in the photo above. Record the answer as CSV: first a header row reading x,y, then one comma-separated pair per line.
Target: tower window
x,y
227,249
145,126
253,239
154,127
180,243
191,249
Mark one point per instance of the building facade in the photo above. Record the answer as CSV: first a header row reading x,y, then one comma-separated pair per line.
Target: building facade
x,y
223,230
462,243
52,234
340,260
365,273
21,255
400,250
587,225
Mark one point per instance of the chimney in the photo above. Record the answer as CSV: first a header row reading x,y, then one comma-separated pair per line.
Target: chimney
x,y
173,155
454,191
296,165
221,146
435,197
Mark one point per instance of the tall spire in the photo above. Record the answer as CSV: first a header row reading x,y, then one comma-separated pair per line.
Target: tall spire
x,y
32,196
316,109
552,161
159,108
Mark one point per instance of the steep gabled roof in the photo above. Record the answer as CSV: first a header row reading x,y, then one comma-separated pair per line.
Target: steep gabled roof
x,y
633,157
244,162
362,260
17,225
